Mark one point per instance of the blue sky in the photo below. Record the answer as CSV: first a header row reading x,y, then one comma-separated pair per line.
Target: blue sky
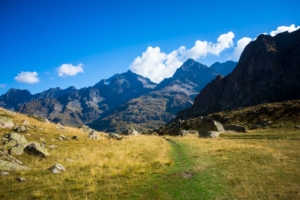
x,y
46,44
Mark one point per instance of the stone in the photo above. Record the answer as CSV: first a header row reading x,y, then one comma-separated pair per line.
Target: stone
x,y
84,128
15,136
298,127
207,125
21,129
211,134
4,173
57,168
115,136
17,150
93,135
25,122
6,165
75,137
59,126
235,127
20,179
6,122
6,157
52,146
36,149
130,131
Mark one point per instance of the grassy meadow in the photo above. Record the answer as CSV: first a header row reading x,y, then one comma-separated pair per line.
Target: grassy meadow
x,y
262,164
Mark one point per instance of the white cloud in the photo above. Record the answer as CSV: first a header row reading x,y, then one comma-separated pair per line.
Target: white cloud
x,y
2,85
281,29
241,44
27,77
158,65
69,70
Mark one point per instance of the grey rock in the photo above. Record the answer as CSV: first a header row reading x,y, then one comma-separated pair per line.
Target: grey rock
x,y
57,168
6,122
93,135
211,134
4,173
6,165
6,157
21,129
130,131
298,127
25,122
235,127
15,136
36,149
20,179
114,136
17,150
75,137
52,146
207,125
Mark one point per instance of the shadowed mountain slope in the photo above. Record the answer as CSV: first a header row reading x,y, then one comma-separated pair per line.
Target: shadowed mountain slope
x,y
268,71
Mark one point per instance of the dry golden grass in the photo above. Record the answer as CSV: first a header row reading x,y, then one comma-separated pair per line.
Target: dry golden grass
x,y
99,169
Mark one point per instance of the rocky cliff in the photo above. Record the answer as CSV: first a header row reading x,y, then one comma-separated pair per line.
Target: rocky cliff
x,y
268,71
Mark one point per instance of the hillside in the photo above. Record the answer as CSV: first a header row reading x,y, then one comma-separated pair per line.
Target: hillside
x,y
268,71
153,167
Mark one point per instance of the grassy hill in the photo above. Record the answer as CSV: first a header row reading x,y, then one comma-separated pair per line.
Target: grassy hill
x,y
254,165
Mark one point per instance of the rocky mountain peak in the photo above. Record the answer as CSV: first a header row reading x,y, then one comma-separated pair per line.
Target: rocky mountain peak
x,y
268,71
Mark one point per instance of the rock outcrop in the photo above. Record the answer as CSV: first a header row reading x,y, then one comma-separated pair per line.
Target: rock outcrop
x,y
268,71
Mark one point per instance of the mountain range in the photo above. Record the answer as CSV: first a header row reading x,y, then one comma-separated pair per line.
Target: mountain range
x,y
123,100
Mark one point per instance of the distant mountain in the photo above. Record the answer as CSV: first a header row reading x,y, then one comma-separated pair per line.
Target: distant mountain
x,y
268,71
161,105
224,68
123,100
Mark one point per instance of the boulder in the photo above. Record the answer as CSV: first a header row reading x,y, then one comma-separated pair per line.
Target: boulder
x,y
36,149
207,125
17,150
235,127
84,128
93,135
20,179
21,129
14,143
25,122
4,173
57,168
115,136
6,165
6,122
130,131
211,134
6,157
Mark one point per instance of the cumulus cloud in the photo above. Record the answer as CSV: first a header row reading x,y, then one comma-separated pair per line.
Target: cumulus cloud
x,y
27,77
2,85
157,65
69,70
241,44
281,29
